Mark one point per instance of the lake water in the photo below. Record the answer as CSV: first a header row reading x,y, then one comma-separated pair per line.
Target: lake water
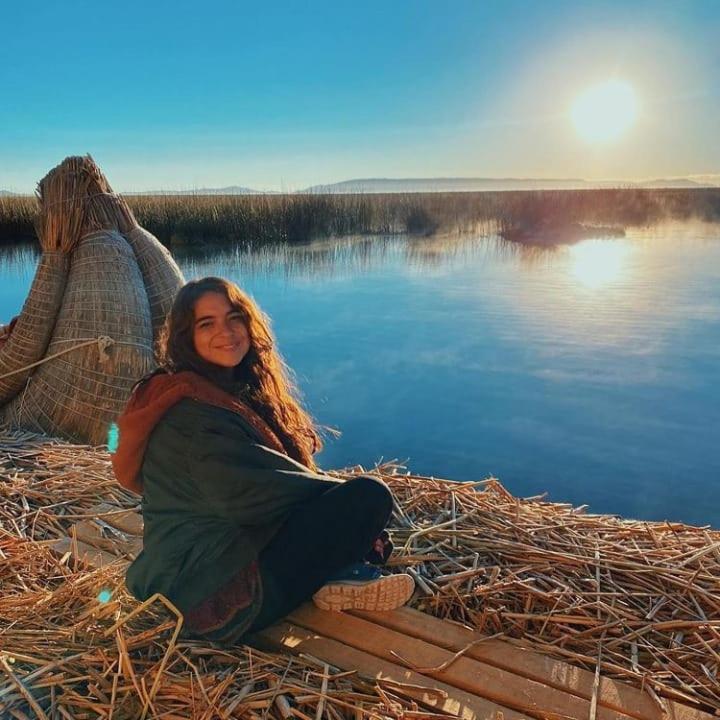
x,y
590,371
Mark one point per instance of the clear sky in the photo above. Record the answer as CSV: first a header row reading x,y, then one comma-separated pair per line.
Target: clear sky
x,y
179,95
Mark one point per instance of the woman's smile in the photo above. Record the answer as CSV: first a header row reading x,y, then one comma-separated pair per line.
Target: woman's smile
x,y
220,333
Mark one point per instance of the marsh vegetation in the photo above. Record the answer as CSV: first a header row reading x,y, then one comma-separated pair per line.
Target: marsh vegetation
x,y
531,217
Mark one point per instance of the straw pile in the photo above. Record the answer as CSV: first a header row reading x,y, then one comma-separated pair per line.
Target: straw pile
x,y
87,331
70,647
637,600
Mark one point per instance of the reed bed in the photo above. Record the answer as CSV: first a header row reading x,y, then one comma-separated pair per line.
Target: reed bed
x,y
259,219
18,215
637,601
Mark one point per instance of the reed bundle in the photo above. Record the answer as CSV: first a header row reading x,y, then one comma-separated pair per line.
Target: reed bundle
x,y
85,379
637,601
31,336
75,198
101,292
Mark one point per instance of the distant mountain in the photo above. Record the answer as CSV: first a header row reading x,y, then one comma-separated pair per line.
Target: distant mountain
x,y
230,190
709,179
390,185
672,183
409,185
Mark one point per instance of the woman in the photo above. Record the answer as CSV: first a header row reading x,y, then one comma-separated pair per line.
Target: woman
x,y
239,527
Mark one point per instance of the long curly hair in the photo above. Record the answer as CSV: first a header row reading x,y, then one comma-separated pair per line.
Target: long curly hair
x,y
262,379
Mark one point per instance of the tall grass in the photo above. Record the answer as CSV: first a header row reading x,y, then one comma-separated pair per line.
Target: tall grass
x,y
17,218
259,219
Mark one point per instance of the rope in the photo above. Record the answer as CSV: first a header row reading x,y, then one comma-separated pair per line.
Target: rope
x,y
103,342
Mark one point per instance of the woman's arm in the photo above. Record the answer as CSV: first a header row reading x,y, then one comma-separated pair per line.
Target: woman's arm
x,y
241,480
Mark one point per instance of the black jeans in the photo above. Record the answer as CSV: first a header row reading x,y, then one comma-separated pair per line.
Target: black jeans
x,y
320,538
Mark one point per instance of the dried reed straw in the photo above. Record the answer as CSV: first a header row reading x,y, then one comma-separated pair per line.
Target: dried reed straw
x,y
75,198
541,574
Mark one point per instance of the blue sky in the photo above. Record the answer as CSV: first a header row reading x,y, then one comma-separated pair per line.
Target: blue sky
x,y
178,95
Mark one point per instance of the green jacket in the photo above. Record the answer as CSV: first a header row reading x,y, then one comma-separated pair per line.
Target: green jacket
x,y
213,497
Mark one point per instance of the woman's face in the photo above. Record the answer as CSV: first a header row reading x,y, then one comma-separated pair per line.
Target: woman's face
x,y
220,335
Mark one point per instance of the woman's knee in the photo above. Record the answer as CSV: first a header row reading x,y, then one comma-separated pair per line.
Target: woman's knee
x,y
372,492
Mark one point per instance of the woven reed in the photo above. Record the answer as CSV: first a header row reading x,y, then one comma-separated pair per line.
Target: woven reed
x,y
160,273
80,393
31,335
76,199
119,288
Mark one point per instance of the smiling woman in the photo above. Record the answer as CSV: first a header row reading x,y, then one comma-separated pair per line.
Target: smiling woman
x,y
240,527
220,333
603,112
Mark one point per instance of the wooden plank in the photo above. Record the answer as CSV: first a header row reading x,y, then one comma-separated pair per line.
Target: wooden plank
x,y
86,554
291,638
92,534
129,521
500,686
532,665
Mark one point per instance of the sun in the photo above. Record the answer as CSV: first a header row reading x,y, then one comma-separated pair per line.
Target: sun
x,y
602,113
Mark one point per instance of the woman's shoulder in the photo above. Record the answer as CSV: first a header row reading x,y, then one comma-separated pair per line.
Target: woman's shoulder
x,y
182,429
203,418
191,412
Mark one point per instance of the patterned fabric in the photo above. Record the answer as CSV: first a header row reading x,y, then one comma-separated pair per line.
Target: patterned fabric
x,y
381,549
231,609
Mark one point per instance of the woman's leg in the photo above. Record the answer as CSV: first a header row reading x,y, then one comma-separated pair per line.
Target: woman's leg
x,y
320,538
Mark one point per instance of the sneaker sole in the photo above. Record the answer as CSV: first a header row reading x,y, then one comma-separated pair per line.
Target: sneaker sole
x,y
385,593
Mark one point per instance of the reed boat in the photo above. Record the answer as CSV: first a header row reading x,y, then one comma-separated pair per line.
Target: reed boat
x,y
87,330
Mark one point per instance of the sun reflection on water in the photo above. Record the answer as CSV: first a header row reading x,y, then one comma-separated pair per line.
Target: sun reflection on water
x,y
597,263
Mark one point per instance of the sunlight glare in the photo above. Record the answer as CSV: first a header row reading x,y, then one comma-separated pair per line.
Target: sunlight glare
x,y
603,112
596,263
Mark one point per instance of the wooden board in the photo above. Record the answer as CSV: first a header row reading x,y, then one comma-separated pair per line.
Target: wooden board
x,y
128,521
611,694
504,687
83,553
115,542
430,693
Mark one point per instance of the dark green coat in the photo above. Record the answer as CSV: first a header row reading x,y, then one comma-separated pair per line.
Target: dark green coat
x,y
213,497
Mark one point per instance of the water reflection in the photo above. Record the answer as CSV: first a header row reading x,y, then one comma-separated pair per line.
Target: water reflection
x,y
596,263
20,258
340,257
17,270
